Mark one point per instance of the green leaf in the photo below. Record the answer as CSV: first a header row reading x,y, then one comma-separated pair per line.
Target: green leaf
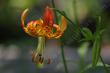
x,y
87,33
99,68
102,31
96,51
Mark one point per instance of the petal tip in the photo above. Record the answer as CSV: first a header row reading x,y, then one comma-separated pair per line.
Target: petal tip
x,y
23,16
63,23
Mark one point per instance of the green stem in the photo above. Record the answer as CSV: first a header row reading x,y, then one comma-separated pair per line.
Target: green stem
x,y
106,69
75,12
63,58
62,47
56,17
76,16
64,16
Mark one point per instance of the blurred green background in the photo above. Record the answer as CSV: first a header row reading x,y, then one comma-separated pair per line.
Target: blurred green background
x,y
15,45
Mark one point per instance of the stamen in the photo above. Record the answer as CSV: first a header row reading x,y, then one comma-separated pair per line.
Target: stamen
x,y
37,58
41,60
49,61
37,55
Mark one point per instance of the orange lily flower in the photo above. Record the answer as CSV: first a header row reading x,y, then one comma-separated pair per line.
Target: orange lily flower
x,y
43,28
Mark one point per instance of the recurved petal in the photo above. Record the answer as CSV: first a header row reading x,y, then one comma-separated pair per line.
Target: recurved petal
x,y
23,16
63,25
48,17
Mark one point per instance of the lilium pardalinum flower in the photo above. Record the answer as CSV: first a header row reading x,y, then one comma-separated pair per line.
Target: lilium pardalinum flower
x,y
43,28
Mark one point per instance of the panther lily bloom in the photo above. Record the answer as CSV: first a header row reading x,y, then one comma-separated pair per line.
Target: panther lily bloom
x,y
43,28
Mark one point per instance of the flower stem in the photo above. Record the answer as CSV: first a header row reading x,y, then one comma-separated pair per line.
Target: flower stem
x,y
105,67
56,17
75,12
63,58
62,47
64,16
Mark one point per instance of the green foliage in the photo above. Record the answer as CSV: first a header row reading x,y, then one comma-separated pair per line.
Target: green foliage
x,y
99,68
96,50
96,39
87,33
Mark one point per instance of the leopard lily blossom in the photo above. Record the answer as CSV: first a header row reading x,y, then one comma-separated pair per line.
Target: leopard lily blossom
x,y
43,28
